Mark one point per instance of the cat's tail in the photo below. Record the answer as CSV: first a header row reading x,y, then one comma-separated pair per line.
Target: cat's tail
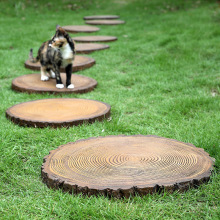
x,y
32,58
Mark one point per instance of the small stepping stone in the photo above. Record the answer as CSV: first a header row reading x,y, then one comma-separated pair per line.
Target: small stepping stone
x,y
123,166
80,63
105,22
89,39
80,29
89,47
32,83
59,112
96,17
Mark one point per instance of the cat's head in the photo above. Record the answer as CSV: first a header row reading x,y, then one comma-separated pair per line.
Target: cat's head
x,y
59,39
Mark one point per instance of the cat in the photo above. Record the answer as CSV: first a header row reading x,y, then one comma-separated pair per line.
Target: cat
x,y
55,53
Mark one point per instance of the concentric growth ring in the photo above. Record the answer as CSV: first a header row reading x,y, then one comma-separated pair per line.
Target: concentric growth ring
x,y
125,165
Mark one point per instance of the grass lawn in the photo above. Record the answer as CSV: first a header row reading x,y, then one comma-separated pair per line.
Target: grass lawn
x,y
161,77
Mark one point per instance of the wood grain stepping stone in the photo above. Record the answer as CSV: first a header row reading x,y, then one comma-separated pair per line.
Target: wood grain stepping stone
x,y
105,22
96,17
89,39
59,112
32,83
80,28
121,166
86,48
80,63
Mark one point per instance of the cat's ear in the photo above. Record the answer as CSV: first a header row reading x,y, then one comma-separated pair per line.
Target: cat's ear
x,y
57,26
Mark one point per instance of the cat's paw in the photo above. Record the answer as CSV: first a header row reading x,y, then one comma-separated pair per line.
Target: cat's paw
x,y
70,86
44,78
59,86
52,74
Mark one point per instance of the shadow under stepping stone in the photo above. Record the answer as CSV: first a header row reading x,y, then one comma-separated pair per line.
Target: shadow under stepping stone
x,y
89,39
96,17
58,112
80,28
123,166
85,48
105,22
32,83
79,63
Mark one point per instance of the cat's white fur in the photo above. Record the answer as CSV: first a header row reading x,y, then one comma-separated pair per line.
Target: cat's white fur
x,y
59,86
71,86
68,56
44,78
52,74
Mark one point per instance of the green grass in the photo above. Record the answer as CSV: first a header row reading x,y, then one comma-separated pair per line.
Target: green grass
x,y
161,78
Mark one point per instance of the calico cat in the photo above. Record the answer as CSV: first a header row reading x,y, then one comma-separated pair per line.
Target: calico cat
x,y
55,53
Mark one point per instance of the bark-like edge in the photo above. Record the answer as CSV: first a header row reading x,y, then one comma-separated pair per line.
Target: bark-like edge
x,y
42,124
85,89
88,51
55,182
83,31
94,22
97,17
86,41
76,68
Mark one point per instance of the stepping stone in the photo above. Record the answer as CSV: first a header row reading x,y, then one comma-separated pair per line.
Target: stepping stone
x,y
59,112
105,22
94,38
84,48
124,166
80,28
80,63
96,17
32,83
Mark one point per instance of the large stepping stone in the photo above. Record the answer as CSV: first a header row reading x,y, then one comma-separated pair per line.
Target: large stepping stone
x,y
105,22
80,28
80,63
124,166
96,17
59,112
32,83
94,38
85,48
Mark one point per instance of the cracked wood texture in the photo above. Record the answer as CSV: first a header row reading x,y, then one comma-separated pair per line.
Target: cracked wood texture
x,y
104,22
79,63
85,48
58,112
80,28
31,83
123,166
97,17
89,39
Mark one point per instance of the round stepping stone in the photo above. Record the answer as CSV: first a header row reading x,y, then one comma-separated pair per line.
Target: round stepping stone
x,y
59,112
80,63
32,83
96,17
80,28
94,38
89,47
105,22
121,166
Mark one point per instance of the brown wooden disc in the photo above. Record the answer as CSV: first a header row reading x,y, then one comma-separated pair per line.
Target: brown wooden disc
x,y
79,63
89,39
32,83
97,17
80,28
105,22
89,47
126,165
59,112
